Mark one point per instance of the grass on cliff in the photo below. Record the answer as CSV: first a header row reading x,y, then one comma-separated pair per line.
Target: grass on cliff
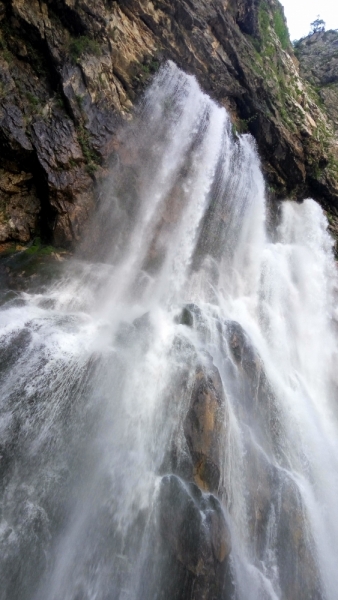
x,y
79,46
281,29
90,155
276,24
35,248
40,249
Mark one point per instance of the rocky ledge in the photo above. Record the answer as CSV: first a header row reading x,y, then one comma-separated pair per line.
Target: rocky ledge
x,y
71,70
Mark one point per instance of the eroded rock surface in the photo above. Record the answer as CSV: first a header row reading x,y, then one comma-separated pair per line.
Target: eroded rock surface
x,y
318,60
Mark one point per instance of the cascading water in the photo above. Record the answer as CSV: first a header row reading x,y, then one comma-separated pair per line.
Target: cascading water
x,y
168,416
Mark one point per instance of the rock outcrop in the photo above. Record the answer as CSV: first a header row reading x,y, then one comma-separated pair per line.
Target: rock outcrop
x,y
70,72
196,541
318,60
194,545
204,428
273,496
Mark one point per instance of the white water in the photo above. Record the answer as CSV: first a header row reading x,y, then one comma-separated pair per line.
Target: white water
x,y
91,371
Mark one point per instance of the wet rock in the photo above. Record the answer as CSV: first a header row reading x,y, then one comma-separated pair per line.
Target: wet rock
x,y
299,574
186,317
192,316
196,542
205,427
245,355
135,335
274,503
251,385
193,524
30,269
142,323
15,345
275,508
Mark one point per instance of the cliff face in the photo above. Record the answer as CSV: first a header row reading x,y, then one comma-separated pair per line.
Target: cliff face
x,y
318,60
71,70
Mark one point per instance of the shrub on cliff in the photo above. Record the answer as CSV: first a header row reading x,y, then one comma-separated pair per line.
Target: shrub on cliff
x,y
317,25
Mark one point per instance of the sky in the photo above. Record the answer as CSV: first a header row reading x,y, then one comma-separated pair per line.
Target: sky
x,y
300,13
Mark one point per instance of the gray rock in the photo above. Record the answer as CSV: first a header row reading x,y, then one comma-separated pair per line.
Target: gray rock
x,y
318,59
196,542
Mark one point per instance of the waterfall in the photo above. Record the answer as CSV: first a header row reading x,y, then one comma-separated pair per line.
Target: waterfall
x,y
168,404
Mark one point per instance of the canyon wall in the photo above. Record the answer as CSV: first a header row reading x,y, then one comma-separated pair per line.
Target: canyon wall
x,y
72,70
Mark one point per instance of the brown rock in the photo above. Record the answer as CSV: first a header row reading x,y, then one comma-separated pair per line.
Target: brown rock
x,y
19,206
204,428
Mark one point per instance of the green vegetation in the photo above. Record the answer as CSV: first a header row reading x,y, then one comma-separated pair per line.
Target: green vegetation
x,y
333,166
153,65
33,100
35,248
292,100
149,67
9,249
4,51
143,71
234,129
281,29
317,25
91,157
79,100
38,248
83,45
59,101
266,26
242,125
263,20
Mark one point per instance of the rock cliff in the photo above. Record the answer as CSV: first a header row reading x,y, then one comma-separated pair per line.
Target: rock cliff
x,y
318,60
71,71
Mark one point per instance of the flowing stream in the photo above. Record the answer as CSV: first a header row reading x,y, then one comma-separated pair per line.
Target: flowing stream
x,y
168,424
